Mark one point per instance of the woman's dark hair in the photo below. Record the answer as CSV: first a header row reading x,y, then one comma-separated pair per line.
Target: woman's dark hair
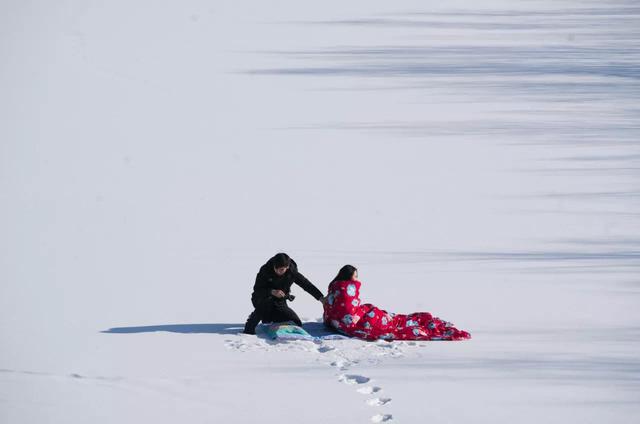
x,y
345,273
280,260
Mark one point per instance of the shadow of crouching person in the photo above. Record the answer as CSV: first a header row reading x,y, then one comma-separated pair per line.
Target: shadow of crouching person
x,y
272,289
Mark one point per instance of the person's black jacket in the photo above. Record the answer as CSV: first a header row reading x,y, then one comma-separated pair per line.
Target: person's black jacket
x,y
268,280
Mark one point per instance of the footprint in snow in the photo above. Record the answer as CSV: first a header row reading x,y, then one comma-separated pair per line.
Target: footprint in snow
x,y
341,364
239,345
369,390
325,349
382,418
353,379
378,401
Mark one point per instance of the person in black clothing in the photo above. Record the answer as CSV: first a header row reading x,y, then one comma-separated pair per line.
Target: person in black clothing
x,y
272,290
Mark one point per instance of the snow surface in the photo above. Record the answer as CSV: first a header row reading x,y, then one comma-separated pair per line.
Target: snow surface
x,y
477,160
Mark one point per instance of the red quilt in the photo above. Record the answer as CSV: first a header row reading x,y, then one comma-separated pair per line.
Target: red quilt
x,y
344,311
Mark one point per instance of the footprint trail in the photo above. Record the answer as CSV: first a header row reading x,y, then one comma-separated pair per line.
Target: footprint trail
x,y
342,358
343,362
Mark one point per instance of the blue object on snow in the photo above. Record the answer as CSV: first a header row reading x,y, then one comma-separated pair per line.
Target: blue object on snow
x,y
285,331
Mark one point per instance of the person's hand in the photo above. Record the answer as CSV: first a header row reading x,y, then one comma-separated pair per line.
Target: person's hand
x,y
278,293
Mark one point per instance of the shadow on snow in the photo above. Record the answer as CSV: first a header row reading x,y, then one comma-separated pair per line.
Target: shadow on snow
x,y
316,329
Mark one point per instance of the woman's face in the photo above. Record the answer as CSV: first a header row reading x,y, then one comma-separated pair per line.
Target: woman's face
x,y
354,277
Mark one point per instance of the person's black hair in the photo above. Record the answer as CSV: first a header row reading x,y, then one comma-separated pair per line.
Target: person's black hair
x,y
345,273
280,260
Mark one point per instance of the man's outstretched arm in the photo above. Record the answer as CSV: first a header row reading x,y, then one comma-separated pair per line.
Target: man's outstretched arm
x,y
307,286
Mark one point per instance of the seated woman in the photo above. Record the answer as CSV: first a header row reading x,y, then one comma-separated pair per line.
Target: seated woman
x,y
344,312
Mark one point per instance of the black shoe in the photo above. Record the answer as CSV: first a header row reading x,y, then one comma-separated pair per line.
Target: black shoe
x,y
251,324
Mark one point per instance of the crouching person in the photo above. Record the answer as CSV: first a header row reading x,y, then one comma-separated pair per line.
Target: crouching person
x,y
272,290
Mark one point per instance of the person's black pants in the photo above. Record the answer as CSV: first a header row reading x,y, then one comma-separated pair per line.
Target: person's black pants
x,y
270,309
